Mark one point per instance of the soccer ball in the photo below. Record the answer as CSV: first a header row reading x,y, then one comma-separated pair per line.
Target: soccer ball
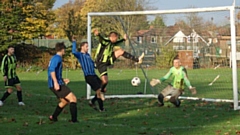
x,y
136,81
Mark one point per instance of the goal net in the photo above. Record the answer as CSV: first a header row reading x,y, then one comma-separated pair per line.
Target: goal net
x,y
204,39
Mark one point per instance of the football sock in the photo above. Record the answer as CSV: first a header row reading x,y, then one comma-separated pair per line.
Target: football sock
x,y
94,99
129,56
5,95
19,96
57,111
160,98
100,102
73,110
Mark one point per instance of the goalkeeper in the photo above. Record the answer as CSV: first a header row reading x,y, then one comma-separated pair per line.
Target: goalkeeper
x,y
176,88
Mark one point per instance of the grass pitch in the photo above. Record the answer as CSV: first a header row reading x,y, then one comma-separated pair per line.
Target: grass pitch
x,y
123,116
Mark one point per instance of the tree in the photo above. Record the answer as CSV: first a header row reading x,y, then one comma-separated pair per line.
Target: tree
x,y
11,17
158,22
67,17
22,20
37,20
110,23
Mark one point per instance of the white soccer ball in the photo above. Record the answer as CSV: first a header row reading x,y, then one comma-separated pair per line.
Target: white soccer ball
x,y
136,81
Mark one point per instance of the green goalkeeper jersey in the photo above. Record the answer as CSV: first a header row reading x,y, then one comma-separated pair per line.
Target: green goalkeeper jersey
x,y
105,49
179,77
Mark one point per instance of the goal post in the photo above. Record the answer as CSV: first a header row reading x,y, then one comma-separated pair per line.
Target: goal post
x,y
233,45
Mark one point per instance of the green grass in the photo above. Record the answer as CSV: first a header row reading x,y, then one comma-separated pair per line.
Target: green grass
x,y
123,116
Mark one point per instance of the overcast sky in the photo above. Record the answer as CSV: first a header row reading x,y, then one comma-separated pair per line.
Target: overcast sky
x,y
218,17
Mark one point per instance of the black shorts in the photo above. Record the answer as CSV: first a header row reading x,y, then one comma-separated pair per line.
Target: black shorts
x,y
10,83
94,81
102,66
62,92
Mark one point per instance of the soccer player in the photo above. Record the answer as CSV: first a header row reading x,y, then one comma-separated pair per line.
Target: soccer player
x,y
176,88
10,77
58,85
88,67
105,55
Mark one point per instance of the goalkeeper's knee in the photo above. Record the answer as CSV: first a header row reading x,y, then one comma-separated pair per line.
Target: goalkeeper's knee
x,y
160,99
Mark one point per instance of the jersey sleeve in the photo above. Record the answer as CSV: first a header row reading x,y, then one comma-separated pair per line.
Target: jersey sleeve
x,y
185,78
53,64
119,42
4,66
166,76
74,50
102,40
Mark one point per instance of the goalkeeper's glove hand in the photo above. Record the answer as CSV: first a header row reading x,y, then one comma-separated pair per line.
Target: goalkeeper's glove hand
x,y
154,82
193,90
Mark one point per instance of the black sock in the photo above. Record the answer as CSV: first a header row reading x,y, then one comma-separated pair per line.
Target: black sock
x,y
100,103
19,96
73,110
57,111
5,95
160,98
129,56
94,99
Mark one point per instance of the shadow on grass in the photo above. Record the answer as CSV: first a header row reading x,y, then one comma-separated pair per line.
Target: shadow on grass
x,y
123,116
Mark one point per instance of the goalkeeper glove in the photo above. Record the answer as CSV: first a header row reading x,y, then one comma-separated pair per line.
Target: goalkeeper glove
x,y
193,90
154,82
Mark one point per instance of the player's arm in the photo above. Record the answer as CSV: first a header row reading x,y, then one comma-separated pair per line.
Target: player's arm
x,y
4,68
74,49
121,40
154,82
100,38
52,67
187,82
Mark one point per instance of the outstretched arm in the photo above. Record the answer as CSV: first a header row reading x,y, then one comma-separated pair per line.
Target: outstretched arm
x,y
74,48
166,76
154,82
100,38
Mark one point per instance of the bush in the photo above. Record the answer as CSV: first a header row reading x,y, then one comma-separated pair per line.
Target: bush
x,y
165,58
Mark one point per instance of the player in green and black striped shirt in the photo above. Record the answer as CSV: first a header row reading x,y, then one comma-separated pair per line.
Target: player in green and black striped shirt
x,y
10,77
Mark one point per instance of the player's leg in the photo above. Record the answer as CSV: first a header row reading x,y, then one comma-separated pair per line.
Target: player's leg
x,y
163,94
58,109
19,91
71,98
95,83
102,69
9,89
127,55
174,98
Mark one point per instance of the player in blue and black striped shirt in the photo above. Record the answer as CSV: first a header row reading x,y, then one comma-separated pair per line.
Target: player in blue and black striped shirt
x,y
88,68
57,85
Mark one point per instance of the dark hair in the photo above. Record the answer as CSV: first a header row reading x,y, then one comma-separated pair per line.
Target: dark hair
x,y
10,46
82,44
59,46
113,33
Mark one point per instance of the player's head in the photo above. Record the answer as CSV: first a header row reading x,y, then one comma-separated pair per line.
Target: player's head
x,y
113,37
10,50
60,48
176,63
84,47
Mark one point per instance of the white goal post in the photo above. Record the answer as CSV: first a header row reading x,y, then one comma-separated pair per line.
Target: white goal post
x,y
231,10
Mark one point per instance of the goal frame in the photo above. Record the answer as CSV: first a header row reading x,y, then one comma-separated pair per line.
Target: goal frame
x,y
231,10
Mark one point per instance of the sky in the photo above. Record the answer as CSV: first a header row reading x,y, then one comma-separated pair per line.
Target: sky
x,y
218,17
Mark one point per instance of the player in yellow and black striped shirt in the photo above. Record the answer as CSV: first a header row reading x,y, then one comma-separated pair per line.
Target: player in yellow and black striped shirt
x,y
10,77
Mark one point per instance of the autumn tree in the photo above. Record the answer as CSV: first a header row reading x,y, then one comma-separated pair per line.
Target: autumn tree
x,y
106,23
